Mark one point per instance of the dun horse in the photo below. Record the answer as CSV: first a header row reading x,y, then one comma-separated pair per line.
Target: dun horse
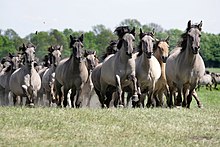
x,y
72,73
148,69
25,81
119,70
10,64
185,66
48,77
161,52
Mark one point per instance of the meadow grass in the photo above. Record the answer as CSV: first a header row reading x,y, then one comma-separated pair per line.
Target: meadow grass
x,y
215,70
21,126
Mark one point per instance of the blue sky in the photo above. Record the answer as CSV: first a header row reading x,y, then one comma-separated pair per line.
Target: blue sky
x,y
27,16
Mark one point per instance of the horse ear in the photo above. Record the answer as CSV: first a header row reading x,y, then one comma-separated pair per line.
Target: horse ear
x,y
50,49
167,39
141,33
60,48
189,24
133,31
200,25
81,38
86,53
10,55
71,37
153,31
23,48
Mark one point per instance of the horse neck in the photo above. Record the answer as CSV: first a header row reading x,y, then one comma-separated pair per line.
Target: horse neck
x,y
123,56
188,57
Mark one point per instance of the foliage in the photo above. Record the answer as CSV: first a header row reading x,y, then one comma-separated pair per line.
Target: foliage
x,y
99,38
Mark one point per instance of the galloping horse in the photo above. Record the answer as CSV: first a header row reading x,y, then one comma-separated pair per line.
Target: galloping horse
x,y
161,52
25,81
148,69
185,66
72,73
119,70
10,64
48,77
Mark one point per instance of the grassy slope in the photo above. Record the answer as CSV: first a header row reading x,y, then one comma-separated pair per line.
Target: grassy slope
x,y
113,127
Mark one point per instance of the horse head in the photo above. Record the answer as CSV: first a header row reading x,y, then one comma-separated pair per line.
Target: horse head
x,y
193,35
15,60
77,45
161,49
146,43
126,39
55,54
28,52
91,59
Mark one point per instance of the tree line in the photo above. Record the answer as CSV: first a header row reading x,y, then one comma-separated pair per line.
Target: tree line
x,y
99,38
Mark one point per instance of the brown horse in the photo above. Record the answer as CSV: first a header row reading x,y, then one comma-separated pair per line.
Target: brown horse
x,y
25,81
72,73
161,52
119,70
185,66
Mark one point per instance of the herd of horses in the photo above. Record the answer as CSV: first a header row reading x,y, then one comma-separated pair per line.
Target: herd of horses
x,y
146,71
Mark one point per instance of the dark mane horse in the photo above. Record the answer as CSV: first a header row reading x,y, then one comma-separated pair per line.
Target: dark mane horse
x,y
185,66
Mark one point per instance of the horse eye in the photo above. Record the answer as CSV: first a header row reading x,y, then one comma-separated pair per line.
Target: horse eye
x,y
200,35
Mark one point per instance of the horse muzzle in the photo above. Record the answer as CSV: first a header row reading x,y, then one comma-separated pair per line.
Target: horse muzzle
x,y
149,54
164,59
195,50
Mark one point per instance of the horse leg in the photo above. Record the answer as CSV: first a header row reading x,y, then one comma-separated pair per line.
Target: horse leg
x,y
179,98
78,102
72,97
26,92
91,92
119,90
189,98
101,100
65,92
194,94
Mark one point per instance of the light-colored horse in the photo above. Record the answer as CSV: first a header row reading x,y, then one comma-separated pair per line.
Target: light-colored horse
x,y
25,81
216,79
119,69
88,89
41,71
96,73
148,69
161,52
48,78
72,73
185,66
206,80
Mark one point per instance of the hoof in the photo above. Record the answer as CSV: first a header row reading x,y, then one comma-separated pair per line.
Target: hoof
x,y
135,98
200,106
178,107
120,106
31,105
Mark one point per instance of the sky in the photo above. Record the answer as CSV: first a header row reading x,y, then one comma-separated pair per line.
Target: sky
x,y
28,16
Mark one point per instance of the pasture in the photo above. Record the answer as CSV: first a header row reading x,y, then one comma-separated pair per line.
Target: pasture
x,y
22,126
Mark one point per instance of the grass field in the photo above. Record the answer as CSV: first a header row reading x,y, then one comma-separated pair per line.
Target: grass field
x,y
215,70
114,127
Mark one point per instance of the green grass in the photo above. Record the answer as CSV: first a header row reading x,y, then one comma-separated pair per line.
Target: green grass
x,y
113,127
215,70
